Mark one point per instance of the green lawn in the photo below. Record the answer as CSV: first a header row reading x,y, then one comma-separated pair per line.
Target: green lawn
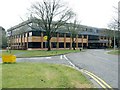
x,y
115,52
0,76
41,75
37,53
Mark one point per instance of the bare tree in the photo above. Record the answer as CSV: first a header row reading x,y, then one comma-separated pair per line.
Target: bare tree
x,y
73,30
50,15
113,25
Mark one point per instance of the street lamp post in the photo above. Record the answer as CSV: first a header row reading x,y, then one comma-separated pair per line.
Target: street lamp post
x,y
114,38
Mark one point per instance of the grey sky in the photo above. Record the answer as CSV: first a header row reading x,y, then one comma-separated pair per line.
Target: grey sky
x,y
96,13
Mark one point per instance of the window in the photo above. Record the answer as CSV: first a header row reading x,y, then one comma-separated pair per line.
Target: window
x,y
105,37
67,34
44,34
61,45
67,45
93,37
54,44
79,44
85,36
96,31
36,33
79,36
101,37
61,35
54,34
90,30
34,45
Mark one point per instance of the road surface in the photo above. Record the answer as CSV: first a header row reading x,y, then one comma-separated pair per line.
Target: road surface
x,y
98,62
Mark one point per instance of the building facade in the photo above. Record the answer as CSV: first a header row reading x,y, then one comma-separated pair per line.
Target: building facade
x,y
3,39
24,37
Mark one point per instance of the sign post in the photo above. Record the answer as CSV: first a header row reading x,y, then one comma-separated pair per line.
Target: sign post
x,y
45,38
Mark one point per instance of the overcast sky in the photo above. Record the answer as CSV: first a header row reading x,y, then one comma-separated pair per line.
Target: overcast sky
x,y
96,13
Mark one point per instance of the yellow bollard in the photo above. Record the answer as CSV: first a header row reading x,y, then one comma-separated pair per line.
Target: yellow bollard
x,y
8,58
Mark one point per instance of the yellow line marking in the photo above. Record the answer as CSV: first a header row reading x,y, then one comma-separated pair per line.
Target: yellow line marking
x,y
96,78
99,79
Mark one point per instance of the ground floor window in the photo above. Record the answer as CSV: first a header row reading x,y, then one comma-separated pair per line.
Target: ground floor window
x,y
54,44
97,45
61,45
67,45
34,45
84,45
79,44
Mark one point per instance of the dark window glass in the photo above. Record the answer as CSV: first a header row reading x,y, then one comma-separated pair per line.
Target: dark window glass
x,y
44,34
67,34
34,45
61,45
91,30
54,34
93,37
85,36
79,36
79,44
28,34
36,33
67,45
53,44
61,35
105,37
101,37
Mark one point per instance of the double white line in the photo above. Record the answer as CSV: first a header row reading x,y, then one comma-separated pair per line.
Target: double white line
x,y
101,82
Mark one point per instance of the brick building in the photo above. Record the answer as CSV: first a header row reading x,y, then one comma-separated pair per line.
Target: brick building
x,y
24,36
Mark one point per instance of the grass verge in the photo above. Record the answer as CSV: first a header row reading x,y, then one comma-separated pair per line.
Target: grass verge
x,y
40,75
37,53
114,52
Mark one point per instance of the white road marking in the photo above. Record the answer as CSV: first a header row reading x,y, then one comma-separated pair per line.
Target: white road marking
x,y
39,58
101,82
61,56
48,57
70,62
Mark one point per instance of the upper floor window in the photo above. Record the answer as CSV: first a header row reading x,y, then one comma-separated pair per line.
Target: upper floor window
x,y
61,35
36,33
44,33
67,34
54,35
85,36
96,31
79,36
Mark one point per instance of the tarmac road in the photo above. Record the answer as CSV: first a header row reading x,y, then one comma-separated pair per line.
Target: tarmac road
x,y
98,62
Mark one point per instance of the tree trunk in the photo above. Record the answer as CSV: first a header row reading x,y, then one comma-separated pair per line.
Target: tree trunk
x,y
73,43
48,45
